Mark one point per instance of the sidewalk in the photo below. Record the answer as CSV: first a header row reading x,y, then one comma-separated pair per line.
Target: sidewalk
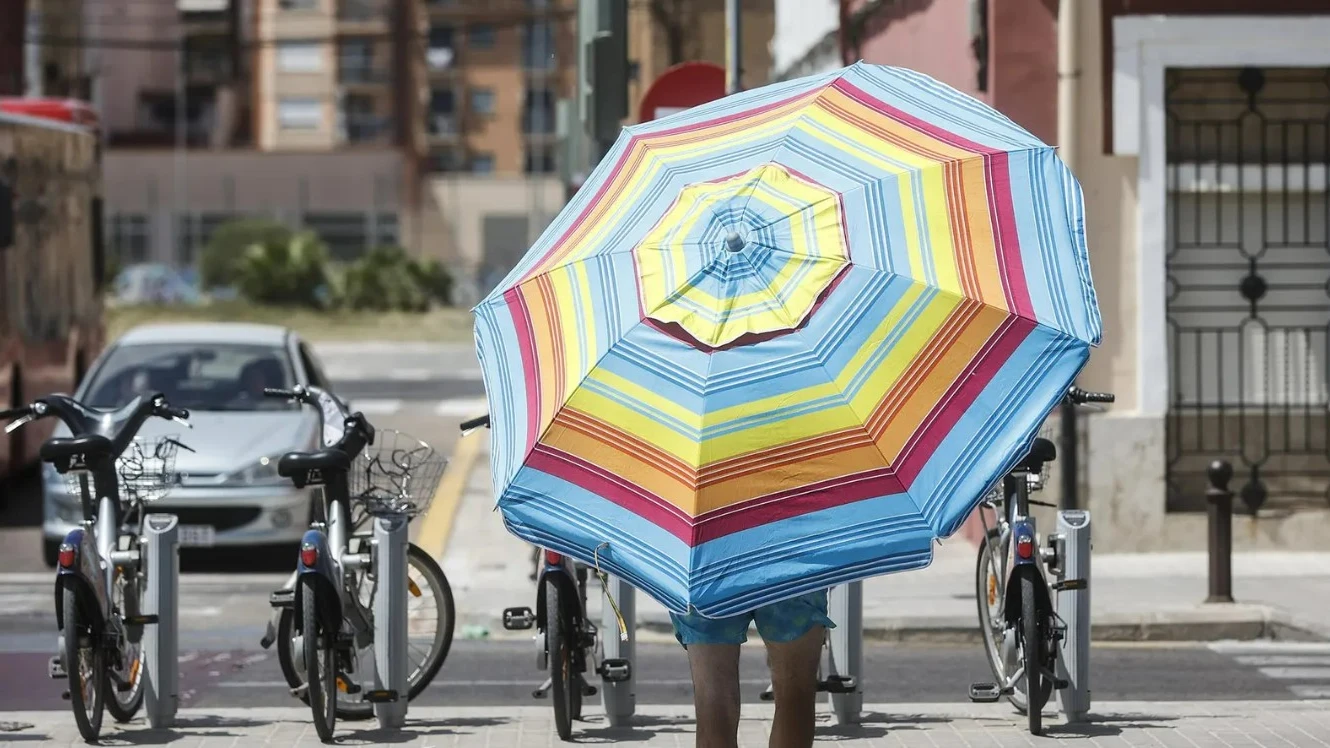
x,y
1194,725
1155,596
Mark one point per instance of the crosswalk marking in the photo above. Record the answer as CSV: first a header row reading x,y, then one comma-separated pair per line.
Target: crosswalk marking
x,y
377,407
1303,667
458,407
463,407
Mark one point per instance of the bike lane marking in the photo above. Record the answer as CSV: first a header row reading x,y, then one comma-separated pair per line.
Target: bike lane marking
x,y
436,530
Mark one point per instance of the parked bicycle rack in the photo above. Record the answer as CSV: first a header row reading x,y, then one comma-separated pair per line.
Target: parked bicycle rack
x,y
161,642
391,627
1072,542
619,699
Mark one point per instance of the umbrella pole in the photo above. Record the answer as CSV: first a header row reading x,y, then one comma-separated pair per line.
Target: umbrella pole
x,y
619,699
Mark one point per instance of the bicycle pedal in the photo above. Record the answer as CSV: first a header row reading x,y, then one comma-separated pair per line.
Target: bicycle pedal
x,y
381,696
300,690
837,684
1070,584
615,670
767,695
987,693
589,690
347,686
65,695
282,599
1060,683
537,694
56,669
518,619
142,620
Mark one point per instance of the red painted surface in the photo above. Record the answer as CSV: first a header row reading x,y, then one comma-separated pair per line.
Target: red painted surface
x,y
930,36
685,85
1023,64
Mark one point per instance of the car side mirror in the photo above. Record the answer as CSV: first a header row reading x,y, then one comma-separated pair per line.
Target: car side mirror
x,y
6,215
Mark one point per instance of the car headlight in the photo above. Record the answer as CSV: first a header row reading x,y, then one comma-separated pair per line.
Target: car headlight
x,y
260,473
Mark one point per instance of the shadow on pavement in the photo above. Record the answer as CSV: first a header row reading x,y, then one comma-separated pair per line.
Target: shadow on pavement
x,y
1104,726
643,728
415,729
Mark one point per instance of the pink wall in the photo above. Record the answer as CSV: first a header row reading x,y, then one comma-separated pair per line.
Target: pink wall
x,y
934,37
930,36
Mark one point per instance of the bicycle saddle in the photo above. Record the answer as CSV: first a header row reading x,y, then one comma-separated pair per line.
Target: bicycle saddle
x,y
78,446
295,464
1041,451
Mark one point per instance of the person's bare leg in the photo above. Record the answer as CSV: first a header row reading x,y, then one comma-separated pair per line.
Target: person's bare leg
x,y
715,670
794,683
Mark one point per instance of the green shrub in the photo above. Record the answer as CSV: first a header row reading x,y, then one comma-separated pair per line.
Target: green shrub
x,y
220,261
387,278
285,273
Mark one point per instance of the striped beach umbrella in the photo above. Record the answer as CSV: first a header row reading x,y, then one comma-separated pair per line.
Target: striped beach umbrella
x,y
787,339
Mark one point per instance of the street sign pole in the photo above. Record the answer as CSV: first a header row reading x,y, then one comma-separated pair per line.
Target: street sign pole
x,y
733,47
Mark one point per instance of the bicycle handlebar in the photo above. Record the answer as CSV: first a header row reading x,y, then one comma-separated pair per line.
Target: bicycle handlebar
x,y
1078,396
5,415
476,423
357,430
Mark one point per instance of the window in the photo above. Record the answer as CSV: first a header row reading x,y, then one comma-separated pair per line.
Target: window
x,y
298,4
440,53
538,115
299,113
129,238
197,376
444,159
299,57
482,163
360,120
442,112
480,36
538,46
482,101
540,160
355,60
313,372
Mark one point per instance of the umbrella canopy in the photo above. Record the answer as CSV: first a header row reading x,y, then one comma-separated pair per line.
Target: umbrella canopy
x,y
785,340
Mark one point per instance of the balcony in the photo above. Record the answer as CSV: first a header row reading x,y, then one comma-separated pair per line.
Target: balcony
x,y
362,75
364,11
364,127
442,127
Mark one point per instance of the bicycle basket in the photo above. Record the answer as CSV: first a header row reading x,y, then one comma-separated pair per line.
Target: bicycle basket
x,y
146,470
397,474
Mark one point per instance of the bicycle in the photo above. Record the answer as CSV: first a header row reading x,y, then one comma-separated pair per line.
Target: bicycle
x,y
323,615
567,640
99,575
1022,629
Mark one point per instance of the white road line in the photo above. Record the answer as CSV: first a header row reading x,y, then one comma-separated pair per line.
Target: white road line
x,y
464,407
1297,673
1284,660
1311,692
376,407
1258,647
413,375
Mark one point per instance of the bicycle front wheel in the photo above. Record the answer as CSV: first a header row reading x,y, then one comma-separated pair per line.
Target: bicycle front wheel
x,y
85,667
999,637
125,597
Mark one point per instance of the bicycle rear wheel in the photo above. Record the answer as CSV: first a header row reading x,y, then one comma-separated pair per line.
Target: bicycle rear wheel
x,y
563,680
1037,687
429,598
320,662
85,667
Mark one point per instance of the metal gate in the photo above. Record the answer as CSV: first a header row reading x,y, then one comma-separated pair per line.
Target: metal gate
x,y
1248,283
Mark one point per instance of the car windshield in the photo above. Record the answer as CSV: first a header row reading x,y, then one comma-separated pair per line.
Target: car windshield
x,y
203,377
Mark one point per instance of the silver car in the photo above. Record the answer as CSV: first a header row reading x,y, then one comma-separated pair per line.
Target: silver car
x,y
230,493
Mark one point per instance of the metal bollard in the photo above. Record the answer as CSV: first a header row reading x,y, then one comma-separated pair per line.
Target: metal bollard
x,y
845,651
620,699
1073,606
1220,499
391,627
161,642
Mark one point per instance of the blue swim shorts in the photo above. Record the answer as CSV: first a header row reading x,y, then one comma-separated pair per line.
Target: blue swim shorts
x,y
784,621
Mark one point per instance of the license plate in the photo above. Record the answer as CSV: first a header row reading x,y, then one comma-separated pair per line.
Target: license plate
x,y
197,536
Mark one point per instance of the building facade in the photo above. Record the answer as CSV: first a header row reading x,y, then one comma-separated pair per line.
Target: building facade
x,y
1201,146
